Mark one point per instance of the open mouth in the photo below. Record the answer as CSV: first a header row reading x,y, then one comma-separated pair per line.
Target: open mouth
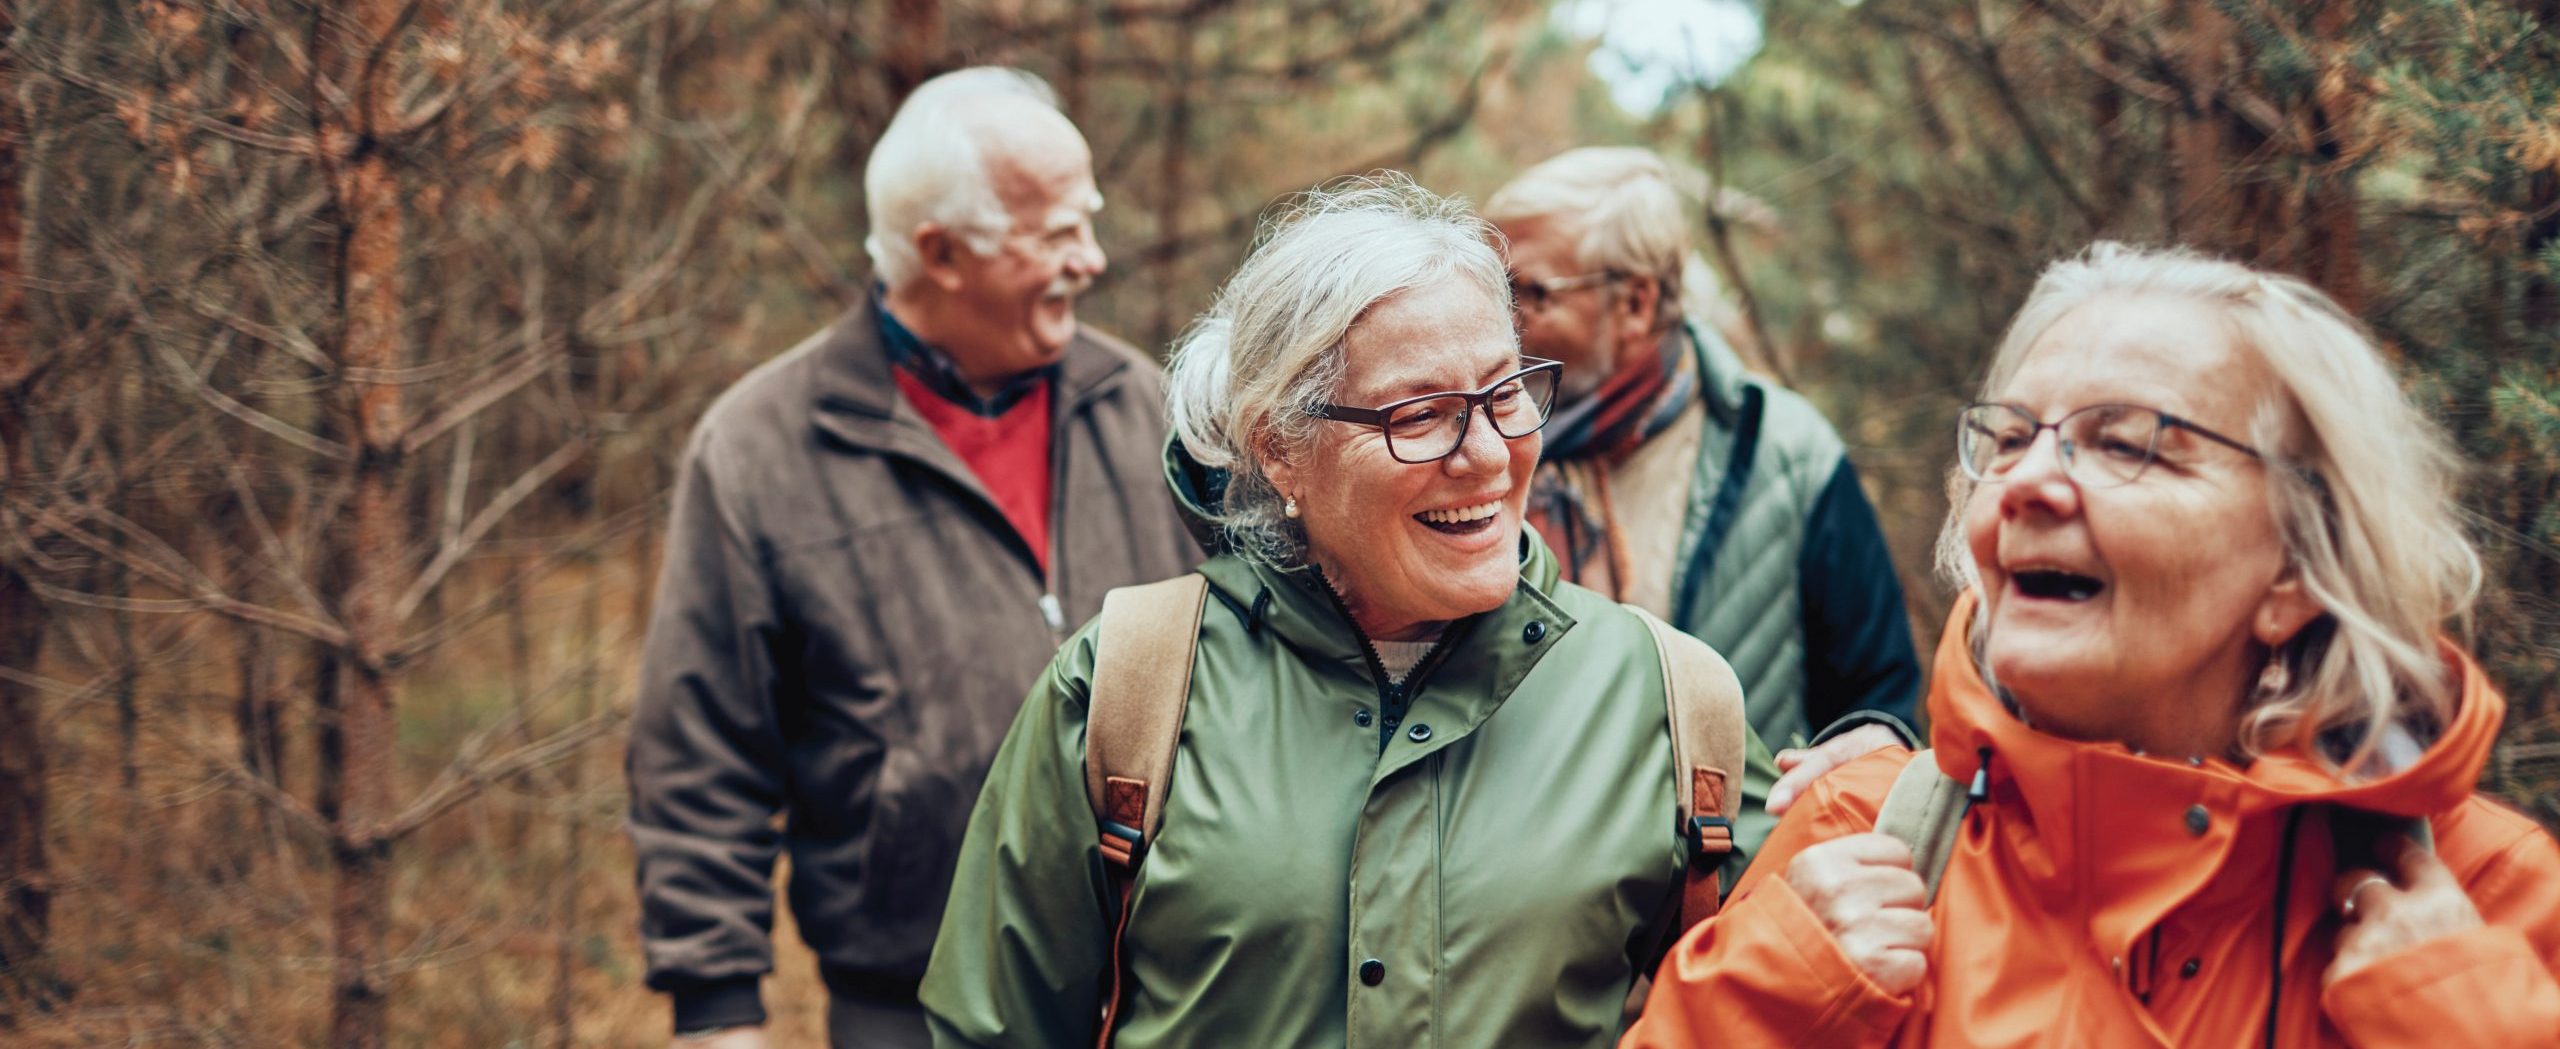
x,y
1464,520
2056,585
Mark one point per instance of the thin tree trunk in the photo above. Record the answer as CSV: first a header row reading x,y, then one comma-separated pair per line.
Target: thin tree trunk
x,y
2332,252
26,893
2200,210
564,960
520,823
1173,178
253,711
915,45
128,670
328,742
25,884
368,210
1074,88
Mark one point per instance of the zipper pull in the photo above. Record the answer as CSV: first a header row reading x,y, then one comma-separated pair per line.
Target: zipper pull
x,y
1053,614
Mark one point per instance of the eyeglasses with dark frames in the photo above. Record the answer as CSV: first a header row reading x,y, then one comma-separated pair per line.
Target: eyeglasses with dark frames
x,y
2102,445
1428,428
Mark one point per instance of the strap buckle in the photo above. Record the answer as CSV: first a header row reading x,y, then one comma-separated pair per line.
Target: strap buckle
x,y
1121,844
1710,836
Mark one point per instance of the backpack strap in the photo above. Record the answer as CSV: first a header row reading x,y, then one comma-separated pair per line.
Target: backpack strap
x,y
1709,737
1133,720
1925,810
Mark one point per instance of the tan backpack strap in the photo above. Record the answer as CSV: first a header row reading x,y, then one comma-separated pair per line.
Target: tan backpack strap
x,y
1142,655
1924,810
1709,737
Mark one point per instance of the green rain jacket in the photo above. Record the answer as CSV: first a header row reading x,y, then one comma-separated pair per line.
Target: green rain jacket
x,y
1486,856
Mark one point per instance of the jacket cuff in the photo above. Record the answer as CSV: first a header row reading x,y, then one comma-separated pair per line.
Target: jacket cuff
x,y
715,1004
2433,993
1856,718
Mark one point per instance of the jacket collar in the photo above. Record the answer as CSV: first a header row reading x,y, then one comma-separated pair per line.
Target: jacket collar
x,y
1720,372
1966,716
858,401
2132,836
1467,676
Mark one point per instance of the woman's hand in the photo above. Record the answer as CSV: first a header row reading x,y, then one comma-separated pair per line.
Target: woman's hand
x,y
1863,889
2388,915
1802,767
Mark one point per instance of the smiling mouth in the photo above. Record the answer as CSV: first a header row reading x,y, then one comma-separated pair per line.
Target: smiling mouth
x,y
1464,520
2056,585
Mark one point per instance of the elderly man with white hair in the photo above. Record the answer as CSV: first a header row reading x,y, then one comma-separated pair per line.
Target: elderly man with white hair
x,y
1675,481
877,541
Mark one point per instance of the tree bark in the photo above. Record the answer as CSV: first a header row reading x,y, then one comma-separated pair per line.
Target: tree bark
x,y
366,200
2332,253
1172,178
915,45
25,885
26,894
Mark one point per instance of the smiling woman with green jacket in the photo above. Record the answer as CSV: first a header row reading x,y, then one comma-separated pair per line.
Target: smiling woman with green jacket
x,y
1423,792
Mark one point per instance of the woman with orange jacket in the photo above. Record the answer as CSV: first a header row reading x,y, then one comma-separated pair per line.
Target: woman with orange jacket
x,y
2210,550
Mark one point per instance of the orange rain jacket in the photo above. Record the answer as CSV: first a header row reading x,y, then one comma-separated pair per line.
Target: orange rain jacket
x,y
2098,897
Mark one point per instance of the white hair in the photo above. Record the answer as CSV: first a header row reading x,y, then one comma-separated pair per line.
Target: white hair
x,y
1246,374
929,167
1622,204
2360,487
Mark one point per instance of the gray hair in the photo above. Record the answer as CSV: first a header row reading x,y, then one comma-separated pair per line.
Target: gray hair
x,y
2366,506
1624,204
1246,375
929,167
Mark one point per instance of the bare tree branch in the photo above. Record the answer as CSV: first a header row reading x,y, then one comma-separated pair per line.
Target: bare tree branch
x,y
501,504
465,779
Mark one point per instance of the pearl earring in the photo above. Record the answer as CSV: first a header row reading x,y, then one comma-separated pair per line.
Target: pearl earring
x,y
1290,510
2274,678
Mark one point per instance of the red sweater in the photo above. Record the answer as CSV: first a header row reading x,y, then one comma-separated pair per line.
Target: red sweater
x,y
1008,452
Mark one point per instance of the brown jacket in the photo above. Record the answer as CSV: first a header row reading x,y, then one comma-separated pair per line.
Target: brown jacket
x,y
844,627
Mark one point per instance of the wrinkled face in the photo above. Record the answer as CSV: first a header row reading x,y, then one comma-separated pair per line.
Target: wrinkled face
x,y
1573,326
1021,298
2105,602
1413,545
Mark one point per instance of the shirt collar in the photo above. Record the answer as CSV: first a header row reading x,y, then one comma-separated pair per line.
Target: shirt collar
x,y
935,369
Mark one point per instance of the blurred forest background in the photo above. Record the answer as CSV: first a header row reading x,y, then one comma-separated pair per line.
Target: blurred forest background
x,y
345,348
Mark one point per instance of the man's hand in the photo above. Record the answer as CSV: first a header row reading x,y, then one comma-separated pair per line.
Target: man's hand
x,y
1862,888
724,1038
1802,767
2384,918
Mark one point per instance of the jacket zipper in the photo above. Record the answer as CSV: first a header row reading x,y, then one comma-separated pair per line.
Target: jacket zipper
x,y
1053,611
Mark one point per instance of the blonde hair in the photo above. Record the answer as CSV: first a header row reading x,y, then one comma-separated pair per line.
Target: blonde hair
x,y
1252,369
2360,484
1622,203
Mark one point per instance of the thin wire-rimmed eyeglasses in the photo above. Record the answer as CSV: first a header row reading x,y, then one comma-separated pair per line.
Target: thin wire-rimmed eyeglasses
x,y
2102,445
1426,429
1536,295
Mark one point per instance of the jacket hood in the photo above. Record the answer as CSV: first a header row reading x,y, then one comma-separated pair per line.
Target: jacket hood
x,y
1967,717
1196,488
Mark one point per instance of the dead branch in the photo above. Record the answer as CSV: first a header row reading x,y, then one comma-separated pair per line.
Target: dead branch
x,y
464,780
499,505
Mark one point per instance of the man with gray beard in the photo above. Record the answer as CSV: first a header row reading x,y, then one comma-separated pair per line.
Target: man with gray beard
x,y
877,541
